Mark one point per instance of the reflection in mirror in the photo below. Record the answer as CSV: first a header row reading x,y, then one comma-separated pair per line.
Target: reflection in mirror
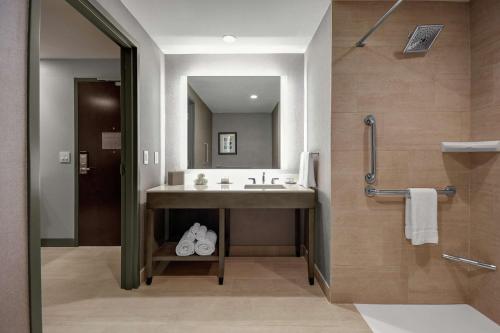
x,y
233,122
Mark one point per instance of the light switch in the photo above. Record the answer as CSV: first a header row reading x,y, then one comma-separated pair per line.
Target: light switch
x,y
157,157
145,157
64,157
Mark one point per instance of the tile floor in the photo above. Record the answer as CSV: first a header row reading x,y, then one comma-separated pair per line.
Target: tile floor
x,y
450,318
81,294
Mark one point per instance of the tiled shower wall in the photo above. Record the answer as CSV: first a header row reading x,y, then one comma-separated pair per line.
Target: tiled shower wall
x,y
418,102
485,178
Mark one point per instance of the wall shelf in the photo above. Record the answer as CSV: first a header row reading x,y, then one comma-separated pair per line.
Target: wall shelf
x,y
470,147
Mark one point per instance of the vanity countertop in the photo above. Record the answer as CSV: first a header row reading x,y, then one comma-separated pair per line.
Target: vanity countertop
x,y
230,188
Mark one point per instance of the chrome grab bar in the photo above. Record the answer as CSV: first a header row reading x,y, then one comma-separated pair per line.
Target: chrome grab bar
x,y
371,191
371,176
470,262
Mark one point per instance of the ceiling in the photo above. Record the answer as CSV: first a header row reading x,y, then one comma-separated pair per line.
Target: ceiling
x,y
231,94
66,34
197,26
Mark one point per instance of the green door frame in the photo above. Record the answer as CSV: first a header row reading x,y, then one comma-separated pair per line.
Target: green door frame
x,y
129,169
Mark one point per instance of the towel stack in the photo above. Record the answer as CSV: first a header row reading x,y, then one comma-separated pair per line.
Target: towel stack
x,y
198,239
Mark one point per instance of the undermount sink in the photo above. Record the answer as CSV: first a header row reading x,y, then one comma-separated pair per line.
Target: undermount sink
x,y
264,187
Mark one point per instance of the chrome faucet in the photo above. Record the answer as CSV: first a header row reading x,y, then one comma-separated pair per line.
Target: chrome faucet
x,y
263,178
253,180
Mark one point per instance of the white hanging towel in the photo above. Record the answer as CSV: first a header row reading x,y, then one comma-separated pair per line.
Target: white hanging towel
x,y
421,216
306,170
185,247
206,246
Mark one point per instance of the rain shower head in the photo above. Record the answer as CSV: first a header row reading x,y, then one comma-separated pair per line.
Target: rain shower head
x,y
422,38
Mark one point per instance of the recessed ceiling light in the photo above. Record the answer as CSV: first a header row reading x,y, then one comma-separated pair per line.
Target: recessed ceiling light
x,y
254,96
229,38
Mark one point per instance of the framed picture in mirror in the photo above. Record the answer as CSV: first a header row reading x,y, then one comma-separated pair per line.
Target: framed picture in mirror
x,y
228,143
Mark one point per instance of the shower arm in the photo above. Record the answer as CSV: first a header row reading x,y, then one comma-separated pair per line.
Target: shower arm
x,y
361,42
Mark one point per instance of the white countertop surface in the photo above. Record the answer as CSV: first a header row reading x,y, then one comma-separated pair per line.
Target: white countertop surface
x,y
232,188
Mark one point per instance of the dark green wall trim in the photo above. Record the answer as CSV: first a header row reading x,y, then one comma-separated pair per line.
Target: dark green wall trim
x,y
58,242
130,196
33,157
103,22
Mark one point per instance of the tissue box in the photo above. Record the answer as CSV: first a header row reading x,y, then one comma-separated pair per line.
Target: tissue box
x,y
175,178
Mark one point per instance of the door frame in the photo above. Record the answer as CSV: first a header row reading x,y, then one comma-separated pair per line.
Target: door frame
x,y
130,269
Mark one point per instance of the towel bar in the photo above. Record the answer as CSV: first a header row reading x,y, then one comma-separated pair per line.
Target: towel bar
x,y
470,262
371,191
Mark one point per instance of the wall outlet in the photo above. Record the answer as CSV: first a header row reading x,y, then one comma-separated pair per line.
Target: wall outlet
x,y
157,157
145,157
64,157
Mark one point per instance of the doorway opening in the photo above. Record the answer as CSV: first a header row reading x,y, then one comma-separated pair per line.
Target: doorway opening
x,y
83,184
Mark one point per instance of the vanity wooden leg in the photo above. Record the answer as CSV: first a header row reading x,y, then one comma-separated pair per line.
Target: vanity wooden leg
x,y
310,258
149,230
222,241
227,230
297,232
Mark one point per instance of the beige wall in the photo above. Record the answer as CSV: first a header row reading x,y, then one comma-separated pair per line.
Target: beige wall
x,y
485,178
202,131
418,102
14,311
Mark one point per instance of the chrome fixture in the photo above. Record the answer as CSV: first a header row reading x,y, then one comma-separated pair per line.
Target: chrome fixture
x,y
371,176
422,38
253,180
264,187
470,262
361,42
263,178
273,180
371,191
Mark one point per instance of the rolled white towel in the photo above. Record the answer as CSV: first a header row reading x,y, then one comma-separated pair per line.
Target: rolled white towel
x,y
185,247
195,228
189,236
202,233
206,246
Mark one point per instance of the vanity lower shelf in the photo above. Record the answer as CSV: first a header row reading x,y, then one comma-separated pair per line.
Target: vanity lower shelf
x,y
166,252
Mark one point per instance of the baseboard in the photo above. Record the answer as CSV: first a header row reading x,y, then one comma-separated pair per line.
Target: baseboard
x,y
325,287
262,250
58,242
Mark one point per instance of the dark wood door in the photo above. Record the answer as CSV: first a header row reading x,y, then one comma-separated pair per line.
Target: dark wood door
x,y
99,181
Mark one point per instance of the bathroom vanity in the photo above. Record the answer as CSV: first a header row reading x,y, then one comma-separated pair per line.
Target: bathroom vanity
x,y
224,198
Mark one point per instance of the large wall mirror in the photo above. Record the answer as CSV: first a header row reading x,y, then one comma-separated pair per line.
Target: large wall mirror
x,y
233,122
